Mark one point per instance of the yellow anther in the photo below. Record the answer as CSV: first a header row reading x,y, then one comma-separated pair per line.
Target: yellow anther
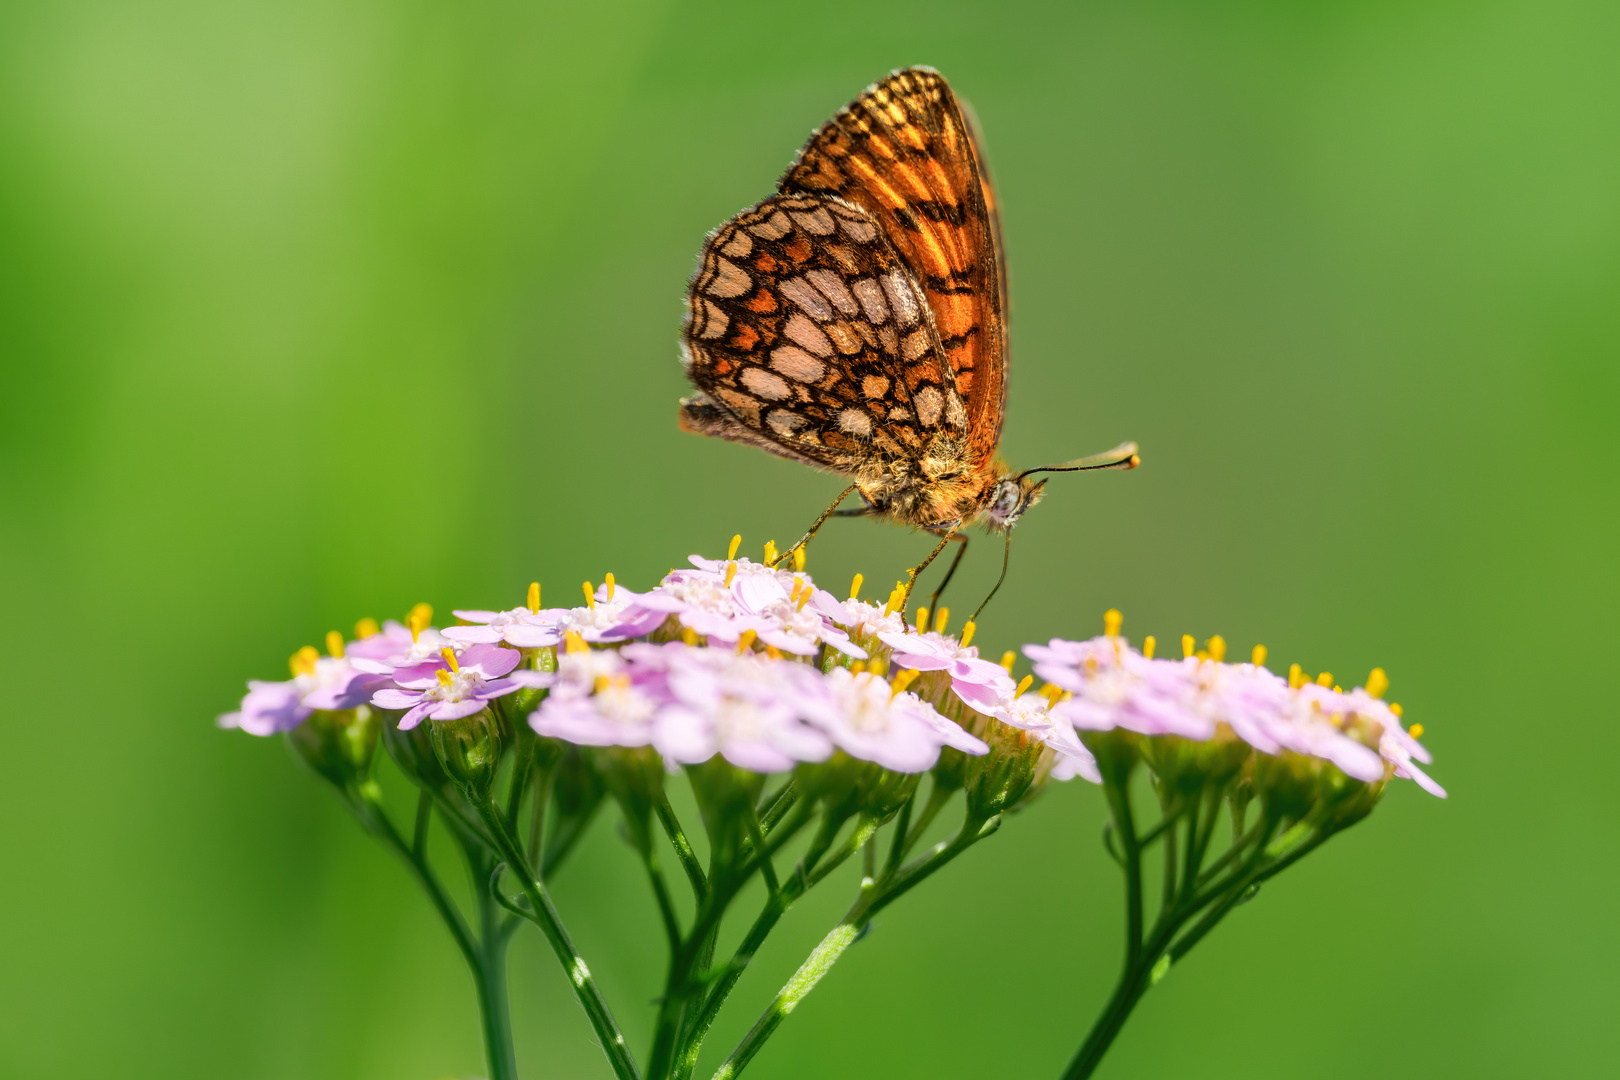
x,y
421,615
855,587
1296,676
590,594
804,597
574,643
857,667
967,632
1416,731
922,620
1395,708
1008,659
611,585
1112,621
1257,657
902,681
798,587
689,635
798,558
731,572
770,553
773,652
302,662
1052,693
1337,689
444,677
1325,679
1217,648
879,666
1187,645
736,542
366,627
940,616
1377,682
745,641
1024,684
334,644
1149,643
450,659
534,596
1202,654
601,683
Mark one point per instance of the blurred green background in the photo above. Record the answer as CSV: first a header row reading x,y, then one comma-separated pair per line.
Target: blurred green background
x,y
309,311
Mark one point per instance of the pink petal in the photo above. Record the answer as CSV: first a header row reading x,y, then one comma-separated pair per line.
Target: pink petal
x,y
455,710
414,717
391,698
471,635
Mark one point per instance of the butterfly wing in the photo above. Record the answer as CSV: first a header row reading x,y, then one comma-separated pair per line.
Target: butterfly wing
x,y
810,338
906,153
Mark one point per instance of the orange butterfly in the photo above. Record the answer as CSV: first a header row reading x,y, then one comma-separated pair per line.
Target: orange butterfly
x,y
857,321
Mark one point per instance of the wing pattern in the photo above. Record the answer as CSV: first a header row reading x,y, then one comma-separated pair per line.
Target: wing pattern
x,y
810,338
906,153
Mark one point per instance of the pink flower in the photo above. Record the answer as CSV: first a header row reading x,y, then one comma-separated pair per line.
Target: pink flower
x,y
1032,713
869,721
747,708
980,683
519,628
600,700
448,690
324,682
724,600
1116,687
394,646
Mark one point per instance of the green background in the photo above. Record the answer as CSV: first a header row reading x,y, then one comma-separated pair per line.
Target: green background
x,y
312,310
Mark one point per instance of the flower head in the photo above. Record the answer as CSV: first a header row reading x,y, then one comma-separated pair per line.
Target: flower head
x,y
982,684
455,684
327,683
744,707
869,718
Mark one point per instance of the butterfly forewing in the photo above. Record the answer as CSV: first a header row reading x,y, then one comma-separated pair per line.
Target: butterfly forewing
x,y
810,337
905,152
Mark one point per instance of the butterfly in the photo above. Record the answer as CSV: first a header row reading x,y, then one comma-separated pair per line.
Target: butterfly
x,y
856,321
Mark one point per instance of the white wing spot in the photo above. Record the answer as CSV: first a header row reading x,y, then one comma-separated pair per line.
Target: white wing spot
x,y
862,232
730,279
799,291
846,340
715,321
819,223
901,298
929,402
796,364
740,245
806,333
832,287
767,385
784,422
875,386
772,228
955,415
916,345
870,294
855,421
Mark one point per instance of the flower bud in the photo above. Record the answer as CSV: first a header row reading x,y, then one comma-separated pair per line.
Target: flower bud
x,y
338,745
996,781
469,749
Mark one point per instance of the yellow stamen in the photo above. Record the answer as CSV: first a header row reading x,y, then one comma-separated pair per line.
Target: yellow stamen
x,y
902,681
419,618
450,659
967,632
1258,656
1112,621
1395,708
534,596
1217,648
798,558
1296,676
858,666
804,597
590,594
773,652
736,542
1325,679
878,666
922,620
1202,654
366,627
1008,659
1024,684
689,635
731,572
745,641
302,662
334,644
1377,682
940,616
1337,689
855,587
798,587
1187,645
1416,731
574,643
611,585
601,683
1149,643
1052,693
770,553
444,677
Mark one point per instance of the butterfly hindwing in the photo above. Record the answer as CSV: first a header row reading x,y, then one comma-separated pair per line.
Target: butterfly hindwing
x,y
906,153
809,337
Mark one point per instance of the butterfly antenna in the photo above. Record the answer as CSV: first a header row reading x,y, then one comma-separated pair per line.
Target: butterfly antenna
x,y
1006,553
1123,456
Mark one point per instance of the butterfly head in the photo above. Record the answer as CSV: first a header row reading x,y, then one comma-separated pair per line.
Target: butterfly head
x,y
1010,498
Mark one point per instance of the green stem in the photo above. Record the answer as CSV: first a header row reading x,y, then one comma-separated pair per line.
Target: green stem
x,y
683,849
544,915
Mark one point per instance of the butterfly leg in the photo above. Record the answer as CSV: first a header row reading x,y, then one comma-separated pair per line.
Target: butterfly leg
x,y
911,579
815,526
933,601
1006,553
